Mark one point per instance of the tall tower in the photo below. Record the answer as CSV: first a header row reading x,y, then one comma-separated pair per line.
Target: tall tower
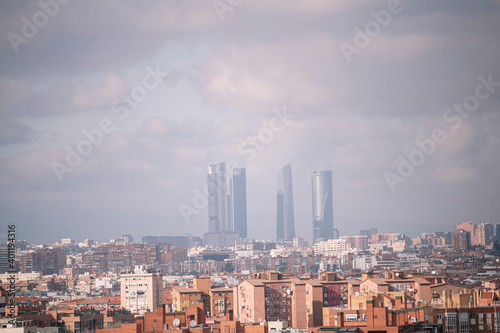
x,y
285,220
217,188
322,204
238,194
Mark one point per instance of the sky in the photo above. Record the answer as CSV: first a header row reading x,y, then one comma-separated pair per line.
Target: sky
x,y
110,112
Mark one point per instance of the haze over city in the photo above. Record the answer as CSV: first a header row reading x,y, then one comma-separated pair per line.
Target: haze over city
x,y
405,115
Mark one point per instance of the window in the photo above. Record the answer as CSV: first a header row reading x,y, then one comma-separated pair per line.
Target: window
x,y
451,321
464,322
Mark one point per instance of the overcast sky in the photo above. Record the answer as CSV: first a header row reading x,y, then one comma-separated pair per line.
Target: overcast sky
x,y
163,88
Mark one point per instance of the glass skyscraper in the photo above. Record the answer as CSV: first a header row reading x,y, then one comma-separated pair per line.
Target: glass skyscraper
x,y
227,211
238,201
285,220
217,191
322,204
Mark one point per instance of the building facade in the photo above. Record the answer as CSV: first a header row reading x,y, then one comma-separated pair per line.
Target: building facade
x,y
141,292
461,240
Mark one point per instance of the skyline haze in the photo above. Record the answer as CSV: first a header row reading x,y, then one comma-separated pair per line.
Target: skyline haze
x,y
110,113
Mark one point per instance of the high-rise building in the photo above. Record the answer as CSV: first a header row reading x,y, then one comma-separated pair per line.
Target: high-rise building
x,y
285,220
471,228
461,240
217,191
47,261
238,202
497,232
322,204
4,259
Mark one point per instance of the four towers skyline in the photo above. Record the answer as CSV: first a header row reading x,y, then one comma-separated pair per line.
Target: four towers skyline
x,y
227,207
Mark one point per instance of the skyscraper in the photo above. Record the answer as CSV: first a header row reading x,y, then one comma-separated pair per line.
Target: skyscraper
x,y
238,194
285,220
217,188
322,204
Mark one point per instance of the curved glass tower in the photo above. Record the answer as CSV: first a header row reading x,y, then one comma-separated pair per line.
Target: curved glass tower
x,y
322,204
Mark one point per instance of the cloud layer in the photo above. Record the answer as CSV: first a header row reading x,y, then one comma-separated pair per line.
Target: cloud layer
x,y
228,80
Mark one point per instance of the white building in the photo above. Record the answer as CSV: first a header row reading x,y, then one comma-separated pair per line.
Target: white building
x,y
331,247
141,292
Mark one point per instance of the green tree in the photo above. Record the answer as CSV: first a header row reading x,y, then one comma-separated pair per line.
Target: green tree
x,y
195,273
314,268
228,267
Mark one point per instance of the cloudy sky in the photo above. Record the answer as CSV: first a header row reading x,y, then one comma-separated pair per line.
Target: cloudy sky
x,y
110,112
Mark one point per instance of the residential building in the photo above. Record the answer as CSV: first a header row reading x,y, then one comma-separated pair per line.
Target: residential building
x,y
461,240
221,301
141,292
270,297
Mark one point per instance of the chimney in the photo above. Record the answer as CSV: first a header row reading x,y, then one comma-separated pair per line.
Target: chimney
x,y
369,313
340,319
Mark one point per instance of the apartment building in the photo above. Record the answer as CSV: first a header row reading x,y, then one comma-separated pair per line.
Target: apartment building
x,y
270,297
141,292
327,291
184,297
221,301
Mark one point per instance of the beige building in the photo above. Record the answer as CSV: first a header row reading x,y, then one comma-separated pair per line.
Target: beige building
x,y
395,281
141,292
183,297
269,297
327,291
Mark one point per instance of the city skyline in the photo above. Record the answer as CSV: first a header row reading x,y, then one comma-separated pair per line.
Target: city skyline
x,y
107,124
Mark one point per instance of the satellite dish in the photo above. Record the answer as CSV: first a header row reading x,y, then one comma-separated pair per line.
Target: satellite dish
x,y
176,322
192,323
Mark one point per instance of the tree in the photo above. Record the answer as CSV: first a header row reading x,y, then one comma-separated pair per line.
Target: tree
x,y
195,273
228,267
